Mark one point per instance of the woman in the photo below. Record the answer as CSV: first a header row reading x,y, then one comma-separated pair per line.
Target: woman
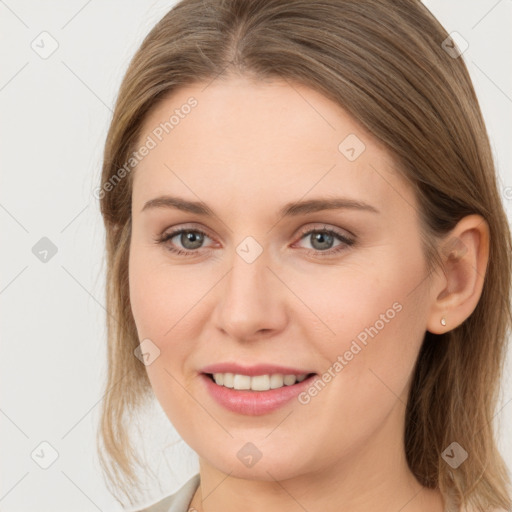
x,y
308,260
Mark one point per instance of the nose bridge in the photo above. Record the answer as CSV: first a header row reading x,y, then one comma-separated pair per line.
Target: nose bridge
x,y
251,300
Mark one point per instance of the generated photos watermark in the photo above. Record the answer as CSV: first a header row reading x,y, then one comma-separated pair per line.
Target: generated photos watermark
x,y
151,142
355,348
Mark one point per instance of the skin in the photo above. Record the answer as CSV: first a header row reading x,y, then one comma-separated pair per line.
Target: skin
x,y
245,150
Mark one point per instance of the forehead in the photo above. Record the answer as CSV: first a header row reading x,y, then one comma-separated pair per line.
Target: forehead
x,y
242,139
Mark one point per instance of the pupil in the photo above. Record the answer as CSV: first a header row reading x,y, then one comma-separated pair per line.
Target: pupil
x,y
323,237
191,237
325,240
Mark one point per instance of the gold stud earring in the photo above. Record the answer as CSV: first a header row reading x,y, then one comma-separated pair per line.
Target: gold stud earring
x,y
443,321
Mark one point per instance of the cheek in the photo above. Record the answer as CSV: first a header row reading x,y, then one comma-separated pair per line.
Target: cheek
x,y
381,353
160,300
146,298
379,323
360,300
166,301
160,295
372,314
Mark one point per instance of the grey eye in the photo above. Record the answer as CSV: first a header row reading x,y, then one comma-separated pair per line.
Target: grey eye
x,y
324,240
191,240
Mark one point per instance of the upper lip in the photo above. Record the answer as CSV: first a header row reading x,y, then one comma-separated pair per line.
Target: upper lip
x,y
258,369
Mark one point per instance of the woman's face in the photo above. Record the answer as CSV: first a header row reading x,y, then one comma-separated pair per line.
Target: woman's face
x,y
271,283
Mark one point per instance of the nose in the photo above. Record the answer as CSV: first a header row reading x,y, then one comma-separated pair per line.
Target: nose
x,y
252,301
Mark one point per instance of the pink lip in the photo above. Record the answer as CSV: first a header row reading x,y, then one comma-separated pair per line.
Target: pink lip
x,y
253,403
259,369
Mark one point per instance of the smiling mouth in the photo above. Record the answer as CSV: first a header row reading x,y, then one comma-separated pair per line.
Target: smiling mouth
x,y
239,382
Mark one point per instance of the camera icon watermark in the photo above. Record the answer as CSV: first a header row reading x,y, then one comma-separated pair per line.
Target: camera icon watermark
x,y
454,248
44,250
351,147
44,455
249,454
147,352
249,249
45,45
454,455
454,45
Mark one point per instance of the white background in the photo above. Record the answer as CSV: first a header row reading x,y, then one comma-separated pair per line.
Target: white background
x,y
54,118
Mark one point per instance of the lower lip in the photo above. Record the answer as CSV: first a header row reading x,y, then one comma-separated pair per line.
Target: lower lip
x,y
254,403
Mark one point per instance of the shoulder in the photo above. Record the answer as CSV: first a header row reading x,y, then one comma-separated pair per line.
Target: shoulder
x,y
177,502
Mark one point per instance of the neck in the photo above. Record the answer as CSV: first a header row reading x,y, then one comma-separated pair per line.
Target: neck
x,y
374,476
233,494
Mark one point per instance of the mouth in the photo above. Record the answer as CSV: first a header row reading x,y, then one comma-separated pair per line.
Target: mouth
x,y
258,383
255,395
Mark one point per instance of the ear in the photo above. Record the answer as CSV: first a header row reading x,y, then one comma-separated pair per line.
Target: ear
x,y
457,287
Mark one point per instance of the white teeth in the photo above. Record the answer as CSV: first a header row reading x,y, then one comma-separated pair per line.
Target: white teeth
x,y
228,379
242,382
276,381
260,383
289,380
256,383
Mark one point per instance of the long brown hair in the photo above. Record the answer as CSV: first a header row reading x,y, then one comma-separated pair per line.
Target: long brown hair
x,y
385,63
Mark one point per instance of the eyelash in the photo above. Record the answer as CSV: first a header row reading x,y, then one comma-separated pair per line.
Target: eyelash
x,y
330,252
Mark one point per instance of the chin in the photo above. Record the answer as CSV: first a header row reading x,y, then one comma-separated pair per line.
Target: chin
x,y
271,467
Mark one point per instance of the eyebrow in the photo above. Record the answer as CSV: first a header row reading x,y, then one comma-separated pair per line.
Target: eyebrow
x,y
291,209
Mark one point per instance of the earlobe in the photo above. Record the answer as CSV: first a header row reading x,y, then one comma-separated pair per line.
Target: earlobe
x,y
464,254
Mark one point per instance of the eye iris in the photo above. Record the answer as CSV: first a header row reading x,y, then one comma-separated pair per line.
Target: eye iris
x,y
322,237
191,236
